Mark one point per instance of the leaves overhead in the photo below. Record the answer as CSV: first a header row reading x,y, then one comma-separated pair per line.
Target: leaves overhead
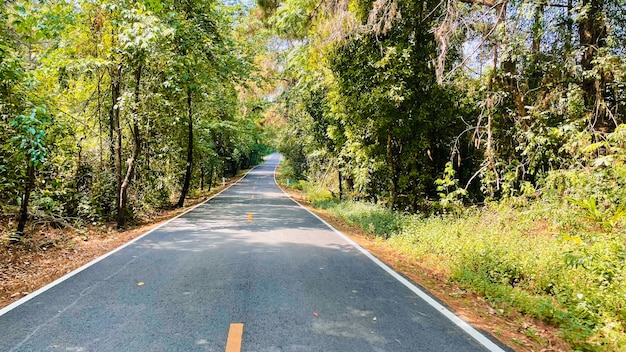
x,y
95,95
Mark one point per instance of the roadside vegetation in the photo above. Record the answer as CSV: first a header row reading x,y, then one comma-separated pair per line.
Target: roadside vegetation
x,y
558,256
484,139
50,252
112,111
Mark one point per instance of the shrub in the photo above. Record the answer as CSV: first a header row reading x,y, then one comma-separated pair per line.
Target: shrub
x,y
543,260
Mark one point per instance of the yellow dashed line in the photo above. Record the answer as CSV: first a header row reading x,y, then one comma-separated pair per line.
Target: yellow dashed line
x,y
235,334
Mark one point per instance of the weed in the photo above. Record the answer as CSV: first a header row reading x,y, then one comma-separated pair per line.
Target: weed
x,y
547,259
511,256
372,219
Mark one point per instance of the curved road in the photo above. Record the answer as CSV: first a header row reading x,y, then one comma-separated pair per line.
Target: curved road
x,y
250,255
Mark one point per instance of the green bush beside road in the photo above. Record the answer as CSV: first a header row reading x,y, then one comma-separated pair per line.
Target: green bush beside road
x,y
544,259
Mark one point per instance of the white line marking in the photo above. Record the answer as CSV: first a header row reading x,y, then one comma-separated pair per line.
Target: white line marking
x,y
482,339
95,261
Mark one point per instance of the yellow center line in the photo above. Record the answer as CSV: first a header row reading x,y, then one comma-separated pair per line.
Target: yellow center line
x,y
235,334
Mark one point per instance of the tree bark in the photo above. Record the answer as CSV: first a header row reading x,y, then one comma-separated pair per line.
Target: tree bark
x,y
535,78
340,185
592,32
537,28
187,182
350,183
123,195
100,132
210,181
30,183
115,133
488,3
202,172
570,27
391,164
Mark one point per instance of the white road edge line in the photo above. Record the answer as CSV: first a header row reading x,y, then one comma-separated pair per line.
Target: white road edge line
x,y
45,288
482,339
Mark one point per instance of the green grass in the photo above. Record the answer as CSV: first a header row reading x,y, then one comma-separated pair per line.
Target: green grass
x,y
544,260
372,219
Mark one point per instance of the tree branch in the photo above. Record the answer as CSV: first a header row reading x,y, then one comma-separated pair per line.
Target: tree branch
x,y
490,3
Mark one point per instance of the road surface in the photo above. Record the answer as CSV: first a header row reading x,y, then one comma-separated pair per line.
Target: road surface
x,y
250,256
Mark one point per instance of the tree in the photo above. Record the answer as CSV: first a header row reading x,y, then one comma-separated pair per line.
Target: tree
x,y
127,87
369,100
31,146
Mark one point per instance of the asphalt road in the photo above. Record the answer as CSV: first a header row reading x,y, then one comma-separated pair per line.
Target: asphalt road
x,y
250,255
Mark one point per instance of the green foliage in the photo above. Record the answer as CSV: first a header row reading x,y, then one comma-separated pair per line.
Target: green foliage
x,y
291,18
91,64
30,135
373,219
598,190
450,194
314,192
607,219
370,107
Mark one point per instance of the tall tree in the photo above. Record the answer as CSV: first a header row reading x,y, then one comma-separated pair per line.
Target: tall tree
x,y
127,87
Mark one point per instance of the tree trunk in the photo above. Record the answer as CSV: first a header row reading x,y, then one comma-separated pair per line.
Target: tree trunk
x,y
340,185
146,145
489,150
592,33
123,195
115,132
508,66
391,164
202,172
537,28
536,76
210,181
187,182
569,29
350,183
100,132
30,185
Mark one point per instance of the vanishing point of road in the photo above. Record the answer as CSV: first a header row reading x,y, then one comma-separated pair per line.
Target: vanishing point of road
x,y
249,270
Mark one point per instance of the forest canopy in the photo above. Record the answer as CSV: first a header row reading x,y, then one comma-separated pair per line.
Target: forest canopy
x,y
420,104
113,109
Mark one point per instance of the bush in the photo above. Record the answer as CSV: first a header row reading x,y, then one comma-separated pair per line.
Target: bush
x,y
374,219
525,259
314,193
543,260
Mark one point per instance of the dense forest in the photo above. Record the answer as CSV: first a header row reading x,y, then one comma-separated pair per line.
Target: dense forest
x,y
415,101
483,139
113,109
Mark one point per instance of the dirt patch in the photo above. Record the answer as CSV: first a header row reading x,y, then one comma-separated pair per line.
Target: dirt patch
x,y
513,329
49,253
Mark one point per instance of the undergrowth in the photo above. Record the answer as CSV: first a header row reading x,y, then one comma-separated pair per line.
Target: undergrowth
x,y
556,260
533,260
